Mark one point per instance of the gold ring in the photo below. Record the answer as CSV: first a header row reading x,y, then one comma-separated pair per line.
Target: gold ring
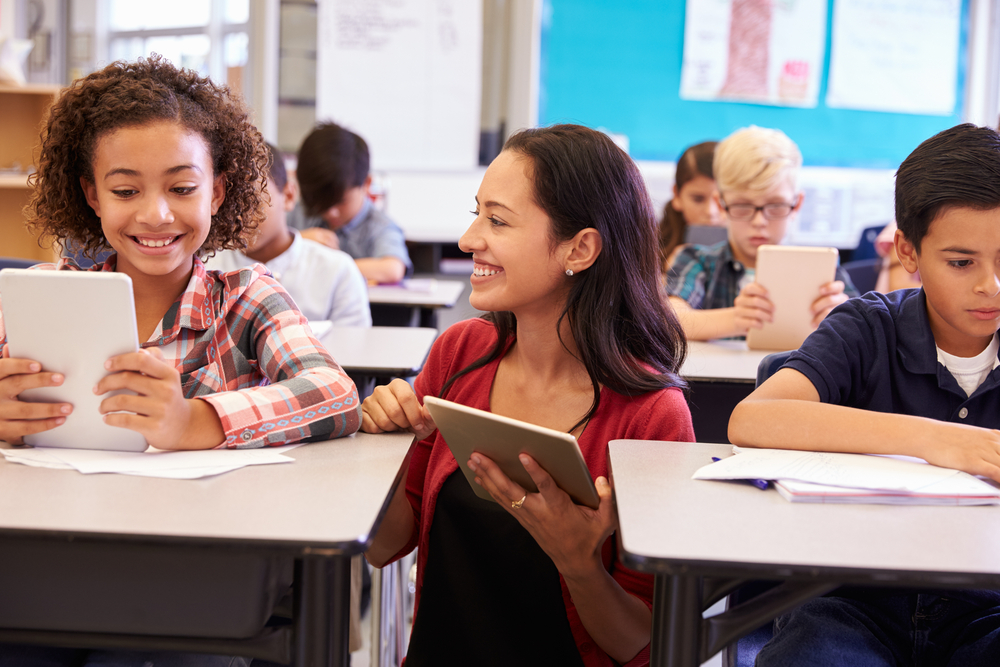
x,y
516,504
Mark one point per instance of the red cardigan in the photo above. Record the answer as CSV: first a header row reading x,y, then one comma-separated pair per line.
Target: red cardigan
x,y
658,415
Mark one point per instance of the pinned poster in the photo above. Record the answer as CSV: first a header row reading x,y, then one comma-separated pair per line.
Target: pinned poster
x,y
895,56
758,51
405,75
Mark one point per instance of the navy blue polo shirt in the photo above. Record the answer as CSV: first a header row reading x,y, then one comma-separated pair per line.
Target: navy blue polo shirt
x,y
877,352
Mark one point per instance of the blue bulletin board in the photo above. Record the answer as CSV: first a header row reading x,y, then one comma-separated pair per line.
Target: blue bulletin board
x,y
616,64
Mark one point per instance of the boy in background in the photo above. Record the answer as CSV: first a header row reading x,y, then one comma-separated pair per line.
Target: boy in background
x,y
909,372
712,288
334,181
325,283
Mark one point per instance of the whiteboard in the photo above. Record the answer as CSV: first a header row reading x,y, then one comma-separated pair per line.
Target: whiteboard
x,y
406,76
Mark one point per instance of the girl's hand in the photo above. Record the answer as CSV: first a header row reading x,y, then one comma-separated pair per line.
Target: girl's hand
x,y
19,418
831,295
394,407
571,535
159,410
752,308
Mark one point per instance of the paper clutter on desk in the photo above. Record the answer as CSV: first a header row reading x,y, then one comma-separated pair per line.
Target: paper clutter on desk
x,y
827,477
151,463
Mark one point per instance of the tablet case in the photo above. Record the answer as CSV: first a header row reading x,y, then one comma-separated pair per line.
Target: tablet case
x,y
502,439
792,276
72,322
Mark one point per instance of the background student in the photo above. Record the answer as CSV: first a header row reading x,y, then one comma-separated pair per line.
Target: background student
x,y
225,356
909,372
694,201
564,234
325,283
334,181
712,287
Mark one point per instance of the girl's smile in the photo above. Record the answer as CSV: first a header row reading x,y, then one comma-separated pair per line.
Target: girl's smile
x,y
155,206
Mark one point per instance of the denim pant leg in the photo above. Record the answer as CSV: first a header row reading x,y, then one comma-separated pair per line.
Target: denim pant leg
x,y
161,659
835,631
959,629
24,655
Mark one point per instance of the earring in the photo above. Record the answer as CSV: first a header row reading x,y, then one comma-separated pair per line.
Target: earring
x,y
569,272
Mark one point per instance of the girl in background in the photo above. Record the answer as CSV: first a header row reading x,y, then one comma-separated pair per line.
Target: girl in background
x,y
694,201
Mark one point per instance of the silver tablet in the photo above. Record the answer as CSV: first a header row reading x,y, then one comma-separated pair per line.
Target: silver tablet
x,y
72,322
792,276
502,439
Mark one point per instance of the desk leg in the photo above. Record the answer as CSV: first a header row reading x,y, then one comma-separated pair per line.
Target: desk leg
x,y
676,621
323,612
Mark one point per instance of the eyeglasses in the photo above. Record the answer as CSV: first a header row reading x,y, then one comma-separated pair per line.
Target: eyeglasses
x,y
775,211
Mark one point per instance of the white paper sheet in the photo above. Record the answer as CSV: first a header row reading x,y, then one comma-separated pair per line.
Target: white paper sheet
x,y
754,51
151,463
857,471
888,55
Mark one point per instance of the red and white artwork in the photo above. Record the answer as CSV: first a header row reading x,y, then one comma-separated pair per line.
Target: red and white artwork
x,y
764,51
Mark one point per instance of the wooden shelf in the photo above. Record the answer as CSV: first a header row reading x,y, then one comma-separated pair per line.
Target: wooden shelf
x,y
22,111
13,181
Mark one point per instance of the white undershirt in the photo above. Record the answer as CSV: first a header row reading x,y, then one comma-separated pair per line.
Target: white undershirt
x,y
748,277
970,372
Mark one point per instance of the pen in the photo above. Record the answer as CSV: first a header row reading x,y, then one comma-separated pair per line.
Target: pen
x,y
761,484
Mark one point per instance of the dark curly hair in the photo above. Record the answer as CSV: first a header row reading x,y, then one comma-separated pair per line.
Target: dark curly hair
x,y
125,94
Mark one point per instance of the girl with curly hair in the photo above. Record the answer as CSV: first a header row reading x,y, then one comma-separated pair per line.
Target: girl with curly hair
x,y
163,167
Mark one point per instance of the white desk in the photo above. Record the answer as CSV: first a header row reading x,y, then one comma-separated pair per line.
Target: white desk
x,y
165,551
722,361
686,531
720,374
418,293
380,351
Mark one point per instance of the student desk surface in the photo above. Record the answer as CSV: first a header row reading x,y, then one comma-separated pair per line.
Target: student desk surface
x,y
119,561
380,351
720,374
422,296
419,293
702,539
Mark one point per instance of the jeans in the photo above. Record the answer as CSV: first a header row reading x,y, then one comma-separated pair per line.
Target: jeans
x,y
20,655
866,628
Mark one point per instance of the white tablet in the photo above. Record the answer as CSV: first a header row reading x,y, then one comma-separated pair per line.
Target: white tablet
x,y
792,276
502,439
72,322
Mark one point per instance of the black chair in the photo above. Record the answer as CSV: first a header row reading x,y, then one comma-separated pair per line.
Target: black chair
x,y
866,244
863,273
16,263
705,234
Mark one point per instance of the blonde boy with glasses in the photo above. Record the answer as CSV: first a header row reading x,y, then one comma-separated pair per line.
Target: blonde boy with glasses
x,y
712,288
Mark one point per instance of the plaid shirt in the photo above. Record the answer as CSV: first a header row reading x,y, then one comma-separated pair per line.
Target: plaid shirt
x,y
708,277
241,345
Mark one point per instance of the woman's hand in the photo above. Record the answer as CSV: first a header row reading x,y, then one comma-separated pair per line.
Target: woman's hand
x,y
20,418
571,534
394,407
159,410
752,308
831,295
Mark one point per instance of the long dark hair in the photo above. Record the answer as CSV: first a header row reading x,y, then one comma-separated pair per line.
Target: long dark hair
x,y
694,161
628,338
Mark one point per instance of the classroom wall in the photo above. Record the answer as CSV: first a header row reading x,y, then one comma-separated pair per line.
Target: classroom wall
x,y
617,65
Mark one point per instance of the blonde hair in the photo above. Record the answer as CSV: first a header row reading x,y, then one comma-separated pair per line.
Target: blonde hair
x,y
755,158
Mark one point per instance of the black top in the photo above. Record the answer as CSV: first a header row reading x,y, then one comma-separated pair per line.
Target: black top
x,y
490,595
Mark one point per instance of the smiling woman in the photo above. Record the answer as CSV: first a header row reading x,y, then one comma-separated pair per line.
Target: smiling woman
x,y
577,339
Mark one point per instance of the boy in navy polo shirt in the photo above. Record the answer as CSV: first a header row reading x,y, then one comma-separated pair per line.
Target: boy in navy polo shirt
x,y
910,372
